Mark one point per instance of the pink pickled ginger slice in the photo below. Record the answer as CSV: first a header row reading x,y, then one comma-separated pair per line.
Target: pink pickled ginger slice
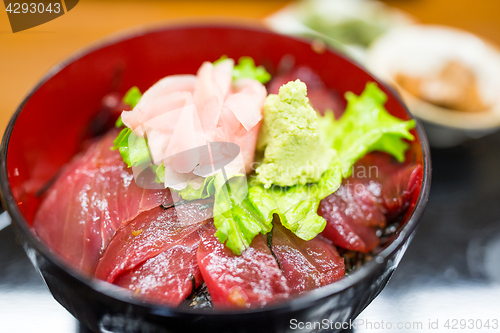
x,y
152,104
247,102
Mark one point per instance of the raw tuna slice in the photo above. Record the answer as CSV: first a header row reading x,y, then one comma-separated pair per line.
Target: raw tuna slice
x,y
147,236
346,219
250,280
380,189
168,278
93,197
399,182
306,265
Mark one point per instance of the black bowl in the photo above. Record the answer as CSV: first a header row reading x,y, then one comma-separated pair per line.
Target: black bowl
x,y
47,129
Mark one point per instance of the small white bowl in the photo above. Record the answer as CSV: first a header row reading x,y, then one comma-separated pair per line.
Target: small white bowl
x,y
421,50
333,14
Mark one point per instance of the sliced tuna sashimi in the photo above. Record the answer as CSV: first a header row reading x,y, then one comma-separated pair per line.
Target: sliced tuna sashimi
x,y
406,184
345,223
306,265
399,182
149,234
379,189
168,278
252,279
91,199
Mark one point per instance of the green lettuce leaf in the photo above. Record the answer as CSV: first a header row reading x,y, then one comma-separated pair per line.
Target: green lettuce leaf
x,y
221,59
119,122
159,171
238,223
236,219
365,126
206,190
246,69
237,227
295,206
121,143
134,149
131,98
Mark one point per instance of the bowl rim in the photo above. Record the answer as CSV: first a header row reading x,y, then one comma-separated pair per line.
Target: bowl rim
x,y
119,294
479,121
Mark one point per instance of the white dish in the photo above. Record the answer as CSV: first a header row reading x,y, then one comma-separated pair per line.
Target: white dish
x,y
421,50
337,14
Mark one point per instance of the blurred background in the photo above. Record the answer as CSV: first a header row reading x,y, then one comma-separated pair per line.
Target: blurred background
x,y
452,268
25,56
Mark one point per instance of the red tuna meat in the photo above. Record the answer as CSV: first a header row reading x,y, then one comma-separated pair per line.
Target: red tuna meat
x,y
367,199
148,235
252,279
306,265
399,182
168,278
351,215
91,199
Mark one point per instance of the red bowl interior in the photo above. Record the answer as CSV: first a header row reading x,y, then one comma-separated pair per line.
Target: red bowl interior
x,y
50,125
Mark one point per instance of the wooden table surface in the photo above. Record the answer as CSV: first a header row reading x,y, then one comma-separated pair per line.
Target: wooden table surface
x,y
25,56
